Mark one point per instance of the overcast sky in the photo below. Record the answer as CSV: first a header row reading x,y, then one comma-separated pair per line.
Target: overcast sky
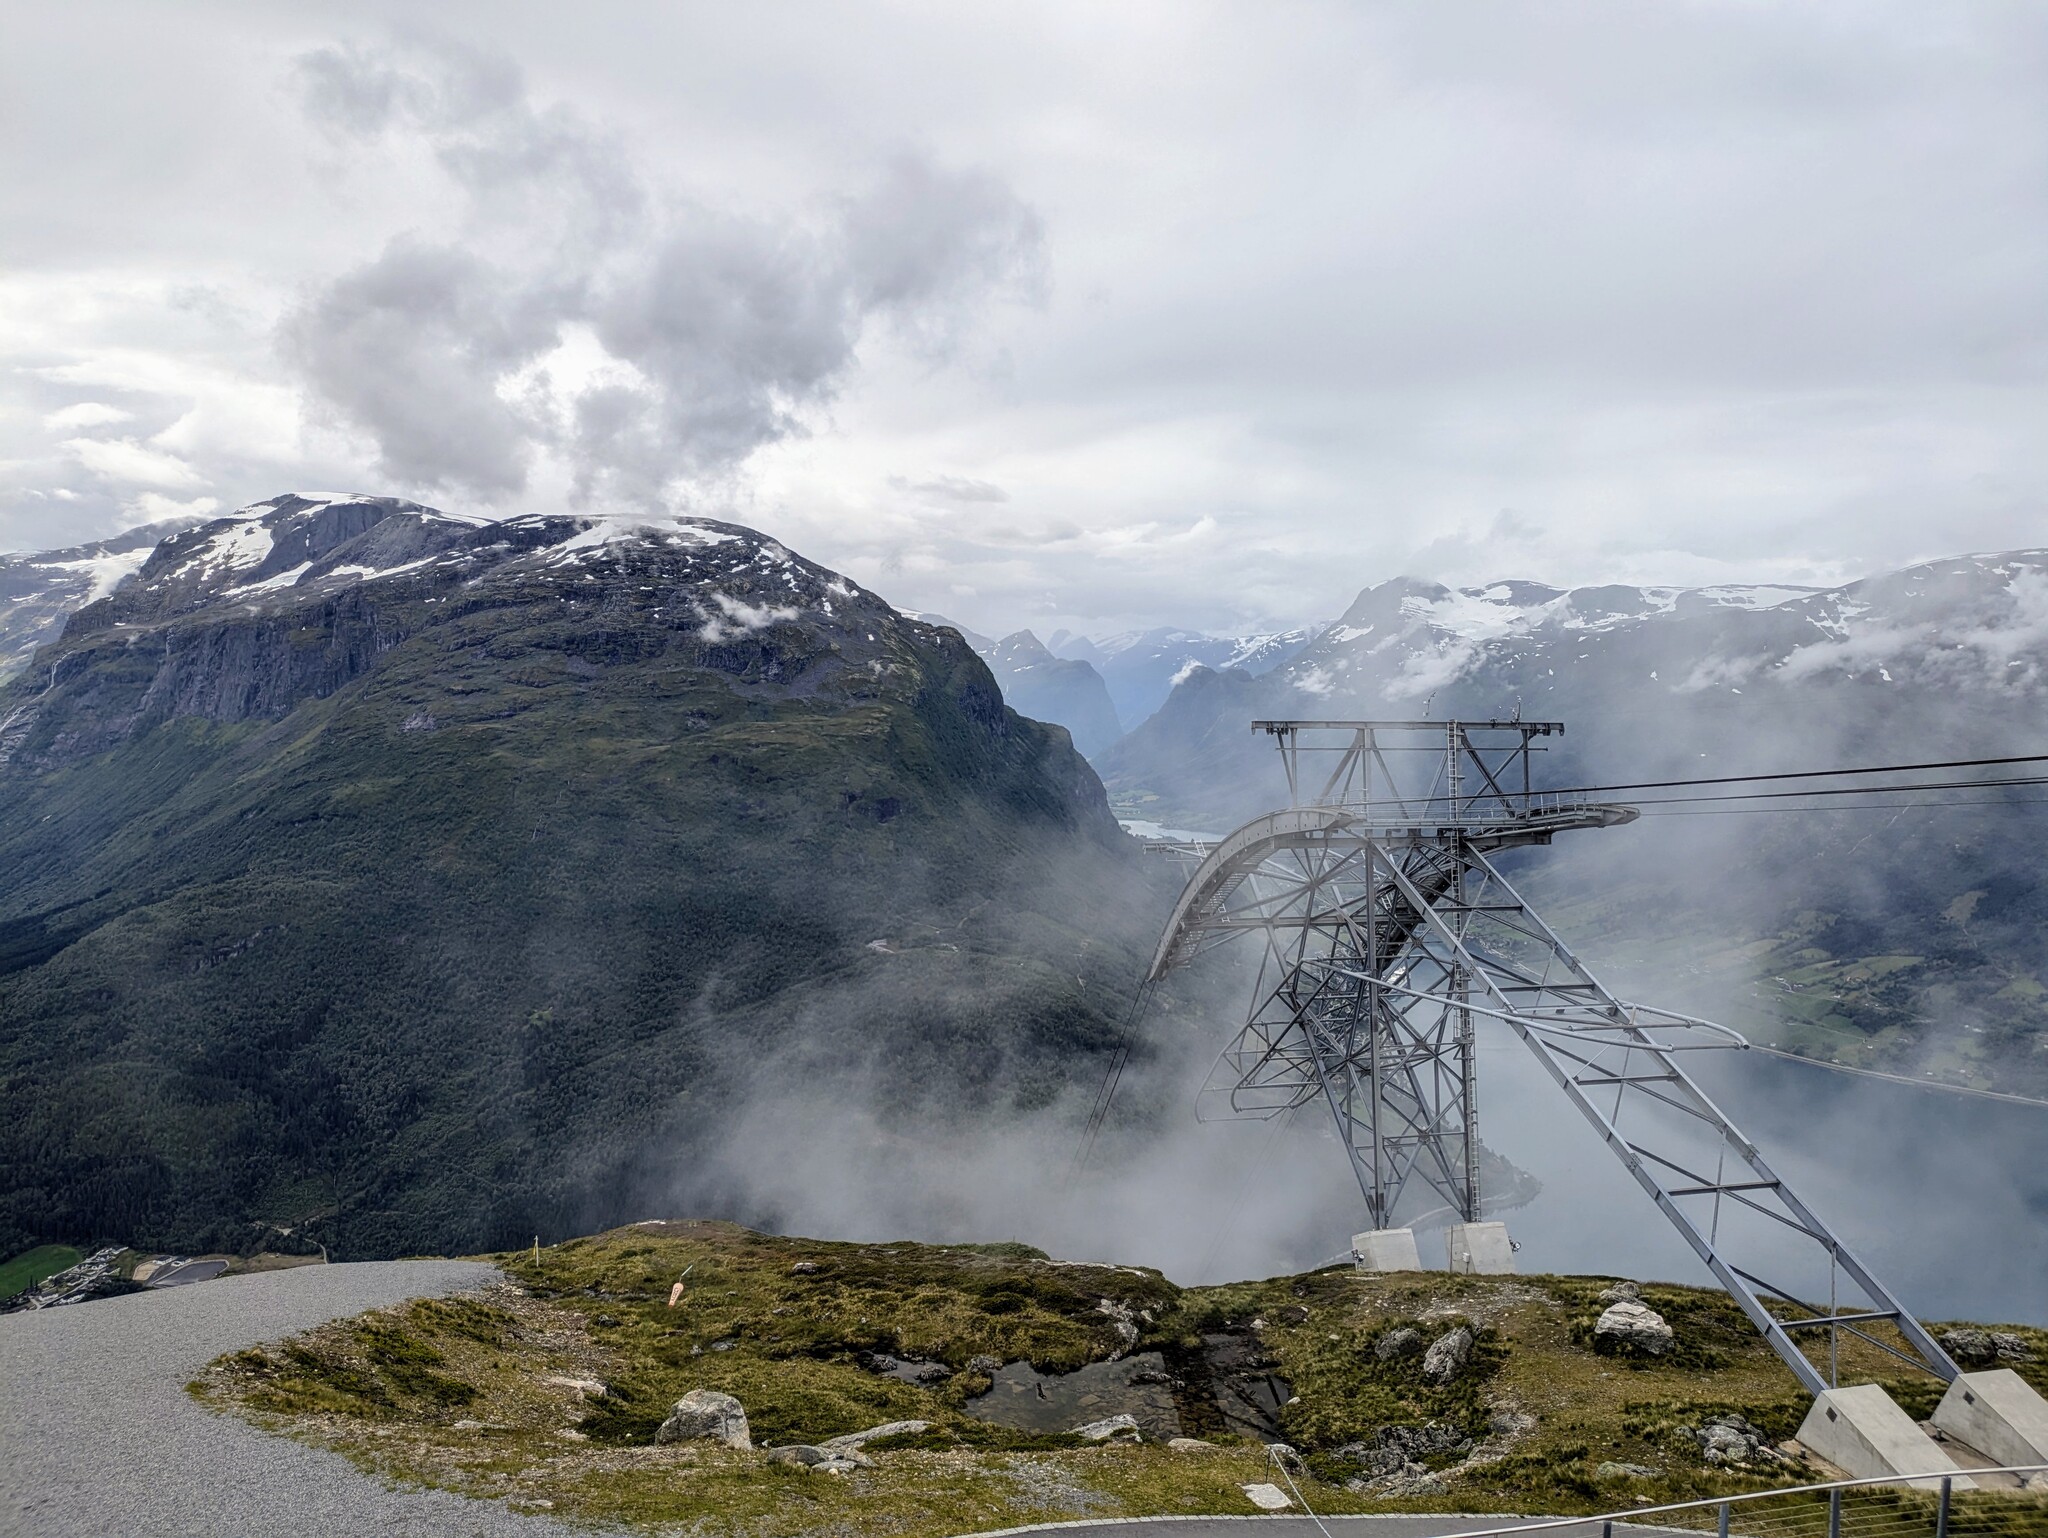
x,y
1086,315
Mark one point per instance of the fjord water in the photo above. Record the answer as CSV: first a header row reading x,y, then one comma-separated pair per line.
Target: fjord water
x,y
1943,1196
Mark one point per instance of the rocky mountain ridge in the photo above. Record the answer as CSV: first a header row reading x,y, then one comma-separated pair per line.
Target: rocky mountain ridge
x,y
39,589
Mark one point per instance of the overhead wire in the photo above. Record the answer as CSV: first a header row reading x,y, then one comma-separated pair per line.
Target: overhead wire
x,y
1845,790
1804,774
1784,774
1899,1078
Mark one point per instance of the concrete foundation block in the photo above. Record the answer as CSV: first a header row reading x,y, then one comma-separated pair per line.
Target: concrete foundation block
x,y
1862,1432
1387,1249
1998,1414
1480,1249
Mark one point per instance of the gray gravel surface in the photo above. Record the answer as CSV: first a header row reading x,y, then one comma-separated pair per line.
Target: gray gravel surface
x,y
98,1435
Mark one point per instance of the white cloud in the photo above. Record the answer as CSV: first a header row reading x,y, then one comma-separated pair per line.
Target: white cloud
x,y
125,461
153,505
1703,293
736,617
86,414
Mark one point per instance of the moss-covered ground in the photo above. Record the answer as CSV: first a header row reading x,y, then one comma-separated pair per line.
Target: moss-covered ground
x,y
481,1393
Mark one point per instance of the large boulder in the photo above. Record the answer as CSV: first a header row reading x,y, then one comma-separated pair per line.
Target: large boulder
x,y
1632,1328
1447,1355
706,1415
1980,1348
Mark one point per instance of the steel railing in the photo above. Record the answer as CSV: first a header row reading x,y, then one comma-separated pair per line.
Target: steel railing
x,y
1929,1507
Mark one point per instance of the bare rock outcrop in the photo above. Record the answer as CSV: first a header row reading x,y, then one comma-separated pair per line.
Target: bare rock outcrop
x,y
1633,1327
706,1415
1447,1355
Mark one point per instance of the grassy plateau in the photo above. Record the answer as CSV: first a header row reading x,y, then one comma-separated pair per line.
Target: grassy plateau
x,y
545,1390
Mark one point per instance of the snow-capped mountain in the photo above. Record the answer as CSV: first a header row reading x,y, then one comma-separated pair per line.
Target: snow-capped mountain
x,y
1903,931
39,588
246,616
1659,670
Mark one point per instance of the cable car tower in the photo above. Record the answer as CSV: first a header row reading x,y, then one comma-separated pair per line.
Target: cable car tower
x,y
1387,934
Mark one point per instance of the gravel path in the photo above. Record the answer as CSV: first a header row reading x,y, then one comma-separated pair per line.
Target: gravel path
x,y
99,1436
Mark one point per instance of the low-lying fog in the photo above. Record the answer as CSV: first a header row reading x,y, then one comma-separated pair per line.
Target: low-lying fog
x,y
1942,1195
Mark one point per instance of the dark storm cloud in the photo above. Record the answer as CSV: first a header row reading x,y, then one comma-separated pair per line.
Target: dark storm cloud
x,y
410,347
720,330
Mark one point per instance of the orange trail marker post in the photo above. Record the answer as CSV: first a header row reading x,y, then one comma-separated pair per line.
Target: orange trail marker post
x,y
675,1293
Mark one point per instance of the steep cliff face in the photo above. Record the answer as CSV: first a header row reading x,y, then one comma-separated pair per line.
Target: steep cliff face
x,y
427,879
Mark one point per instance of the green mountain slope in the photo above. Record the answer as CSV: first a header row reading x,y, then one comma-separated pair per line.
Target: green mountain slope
x,y
408,882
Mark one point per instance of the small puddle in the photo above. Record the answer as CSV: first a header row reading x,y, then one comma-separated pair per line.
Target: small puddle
x,y
1033,1401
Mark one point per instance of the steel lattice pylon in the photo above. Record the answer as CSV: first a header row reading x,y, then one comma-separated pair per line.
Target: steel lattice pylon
x,y
1389,933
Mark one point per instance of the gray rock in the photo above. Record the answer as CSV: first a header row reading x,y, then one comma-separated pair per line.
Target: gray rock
x,y
805,1268
1114,1427
706,1415
1123,1321
1406,1341
1622,1292
1412,1480
841,1465
1608,1471
2011,1348
1633,1327
1190,1445
1507,1421
803,1455
1447,1355
841,1445
1980,1348
1730,1439
1395,1450
985,1366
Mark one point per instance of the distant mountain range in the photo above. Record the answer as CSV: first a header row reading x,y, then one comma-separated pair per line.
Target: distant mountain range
x,y
1098,690
1908,935
1655,673
414,881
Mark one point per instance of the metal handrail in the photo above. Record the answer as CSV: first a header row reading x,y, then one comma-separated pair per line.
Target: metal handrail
x,y
1635,1514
